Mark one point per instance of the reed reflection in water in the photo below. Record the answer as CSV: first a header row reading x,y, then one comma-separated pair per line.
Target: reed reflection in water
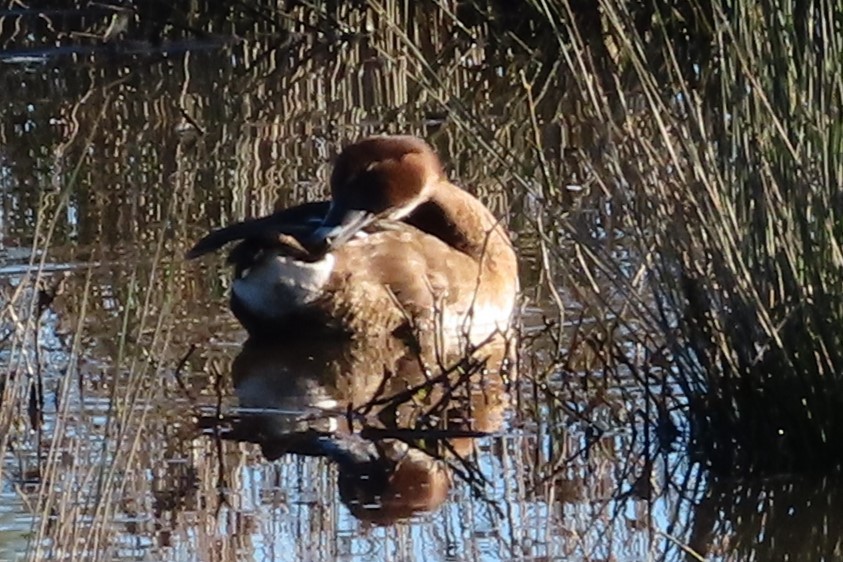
x,y
115,155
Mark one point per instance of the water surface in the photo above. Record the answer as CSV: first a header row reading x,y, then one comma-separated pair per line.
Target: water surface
x,y
140,425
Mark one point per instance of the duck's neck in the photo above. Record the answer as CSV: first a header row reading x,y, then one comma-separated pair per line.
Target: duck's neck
x,y
461,221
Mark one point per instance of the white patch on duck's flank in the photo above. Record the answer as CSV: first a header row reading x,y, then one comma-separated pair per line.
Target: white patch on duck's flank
x,y
478,324
281,284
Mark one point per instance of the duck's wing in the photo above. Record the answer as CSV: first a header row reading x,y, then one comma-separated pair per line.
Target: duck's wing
x,y
296,221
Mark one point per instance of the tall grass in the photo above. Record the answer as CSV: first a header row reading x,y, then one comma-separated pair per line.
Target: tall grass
x,y
670,174
725,162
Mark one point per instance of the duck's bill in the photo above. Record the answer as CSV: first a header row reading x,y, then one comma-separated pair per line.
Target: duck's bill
x,y
338,229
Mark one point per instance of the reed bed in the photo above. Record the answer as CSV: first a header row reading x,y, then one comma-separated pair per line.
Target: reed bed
x,y
669,174
720,151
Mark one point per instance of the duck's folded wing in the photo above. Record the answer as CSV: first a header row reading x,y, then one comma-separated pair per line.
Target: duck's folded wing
x,y
293,221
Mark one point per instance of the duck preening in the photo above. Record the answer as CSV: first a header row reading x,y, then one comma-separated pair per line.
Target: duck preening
x,y
397,246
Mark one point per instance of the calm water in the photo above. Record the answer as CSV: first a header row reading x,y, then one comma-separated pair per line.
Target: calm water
x,y
138,423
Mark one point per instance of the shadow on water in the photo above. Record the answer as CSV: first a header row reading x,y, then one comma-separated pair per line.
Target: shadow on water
x,y
779,519
136,425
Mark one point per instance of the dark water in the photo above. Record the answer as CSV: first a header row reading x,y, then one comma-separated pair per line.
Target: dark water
x,y
139,426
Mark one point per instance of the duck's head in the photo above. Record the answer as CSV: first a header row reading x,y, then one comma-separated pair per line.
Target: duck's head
x,y
387,176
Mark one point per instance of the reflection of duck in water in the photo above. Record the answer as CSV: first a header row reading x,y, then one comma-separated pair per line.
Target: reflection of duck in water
x,y
398,245
390,422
